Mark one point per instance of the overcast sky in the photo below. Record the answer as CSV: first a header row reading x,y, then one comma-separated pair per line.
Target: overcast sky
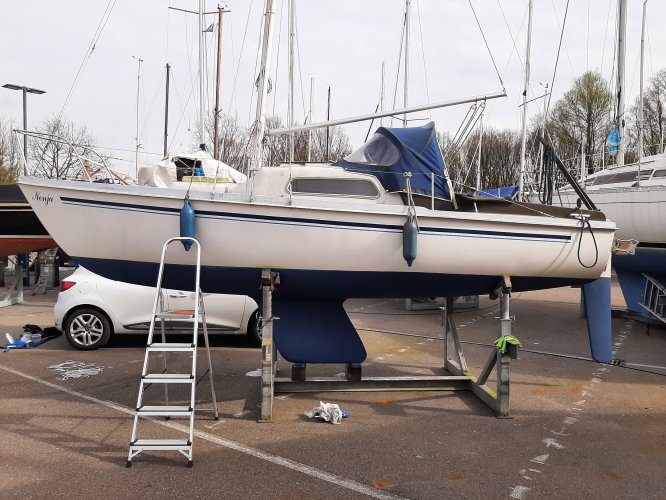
x,y
341,44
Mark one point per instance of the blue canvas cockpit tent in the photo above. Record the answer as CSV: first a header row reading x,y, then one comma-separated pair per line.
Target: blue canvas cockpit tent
x,y
508,192
391,152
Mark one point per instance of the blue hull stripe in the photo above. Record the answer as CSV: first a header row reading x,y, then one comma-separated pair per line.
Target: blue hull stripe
x,y
359,226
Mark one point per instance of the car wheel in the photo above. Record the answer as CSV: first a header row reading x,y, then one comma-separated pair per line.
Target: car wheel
x,y
87,329
253,331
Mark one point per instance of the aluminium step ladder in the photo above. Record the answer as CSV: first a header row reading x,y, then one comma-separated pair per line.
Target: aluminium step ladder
x,y
46,269
654,298
195,316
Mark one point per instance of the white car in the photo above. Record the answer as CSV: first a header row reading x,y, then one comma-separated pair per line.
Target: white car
x,y
90,309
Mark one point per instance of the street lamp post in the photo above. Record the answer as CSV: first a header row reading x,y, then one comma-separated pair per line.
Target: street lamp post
x,y
25,90
24,258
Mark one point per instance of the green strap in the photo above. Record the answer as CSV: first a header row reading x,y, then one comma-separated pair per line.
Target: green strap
x,y
501,342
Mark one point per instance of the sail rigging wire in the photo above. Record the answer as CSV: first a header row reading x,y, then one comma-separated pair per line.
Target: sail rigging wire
x,y
240,56
513,40
89,51
486,42
557,60
189,61
397,72
277,58
183,109
147,116
566,47
425,70
603,52
300,67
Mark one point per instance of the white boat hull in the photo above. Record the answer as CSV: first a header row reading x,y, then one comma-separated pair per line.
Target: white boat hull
x,y
320,251
637,211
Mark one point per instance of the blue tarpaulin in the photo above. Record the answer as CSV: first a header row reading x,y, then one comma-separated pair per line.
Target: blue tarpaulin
x,y
391,152
613,141
503,192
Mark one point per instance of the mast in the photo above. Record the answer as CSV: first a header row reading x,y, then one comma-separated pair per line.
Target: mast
x,y
523,140
406,89
136,138
381,95
310,120
216,117
166,110
621,52
262,90
201,80
640,115
290,111
478,162
328,118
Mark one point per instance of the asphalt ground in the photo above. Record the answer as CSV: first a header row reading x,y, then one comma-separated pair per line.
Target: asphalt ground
x,y
578,429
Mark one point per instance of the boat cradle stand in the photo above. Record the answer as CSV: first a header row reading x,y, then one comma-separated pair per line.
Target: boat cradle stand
x,y
14,294
459,378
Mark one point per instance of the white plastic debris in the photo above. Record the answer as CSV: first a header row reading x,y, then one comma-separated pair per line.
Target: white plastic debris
x,y
76,369
328,412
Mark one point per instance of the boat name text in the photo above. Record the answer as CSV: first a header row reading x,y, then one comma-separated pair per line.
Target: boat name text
x,y
44,198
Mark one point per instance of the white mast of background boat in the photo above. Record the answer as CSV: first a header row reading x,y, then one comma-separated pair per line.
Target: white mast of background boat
x,y
290,112
406,89
523,140
621,50
640,116
262,91
201,65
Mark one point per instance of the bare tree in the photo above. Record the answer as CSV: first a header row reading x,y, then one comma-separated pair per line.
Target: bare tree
x,y
582,114
57,160
500,158
10,162
654,116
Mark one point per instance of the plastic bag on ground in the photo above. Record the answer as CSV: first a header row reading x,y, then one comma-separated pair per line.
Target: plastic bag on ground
x,y
328,412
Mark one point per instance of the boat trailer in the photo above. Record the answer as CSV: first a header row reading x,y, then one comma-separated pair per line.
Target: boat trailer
x,y
458,378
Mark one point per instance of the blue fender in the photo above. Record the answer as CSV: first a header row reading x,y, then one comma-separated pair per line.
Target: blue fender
x,y
409,234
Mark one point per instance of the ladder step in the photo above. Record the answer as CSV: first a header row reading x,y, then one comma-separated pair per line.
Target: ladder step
x,y
165,411
168,378
171,347
177,314
160,444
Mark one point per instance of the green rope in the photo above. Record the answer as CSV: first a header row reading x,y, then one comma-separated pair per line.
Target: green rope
x,y
501,342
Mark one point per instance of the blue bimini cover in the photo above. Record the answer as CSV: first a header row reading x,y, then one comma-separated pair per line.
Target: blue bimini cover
x,y
391,152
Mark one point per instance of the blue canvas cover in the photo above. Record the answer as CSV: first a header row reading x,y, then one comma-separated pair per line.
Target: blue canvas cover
x,y
509,192
391,152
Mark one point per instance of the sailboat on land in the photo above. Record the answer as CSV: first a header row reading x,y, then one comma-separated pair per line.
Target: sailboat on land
x,y
381,223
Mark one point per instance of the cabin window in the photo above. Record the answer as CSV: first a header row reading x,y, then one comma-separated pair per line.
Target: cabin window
x,y
616,178
340,187
659,173
378,151
645,174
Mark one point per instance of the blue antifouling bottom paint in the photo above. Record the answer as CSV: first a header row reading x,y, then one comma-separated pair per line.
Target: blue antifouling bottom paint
x,y
597,297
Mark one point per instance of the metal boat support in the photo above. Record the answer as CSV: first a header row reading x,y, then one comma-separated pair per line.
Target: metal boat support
x,y
14,294
269,280
459,377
